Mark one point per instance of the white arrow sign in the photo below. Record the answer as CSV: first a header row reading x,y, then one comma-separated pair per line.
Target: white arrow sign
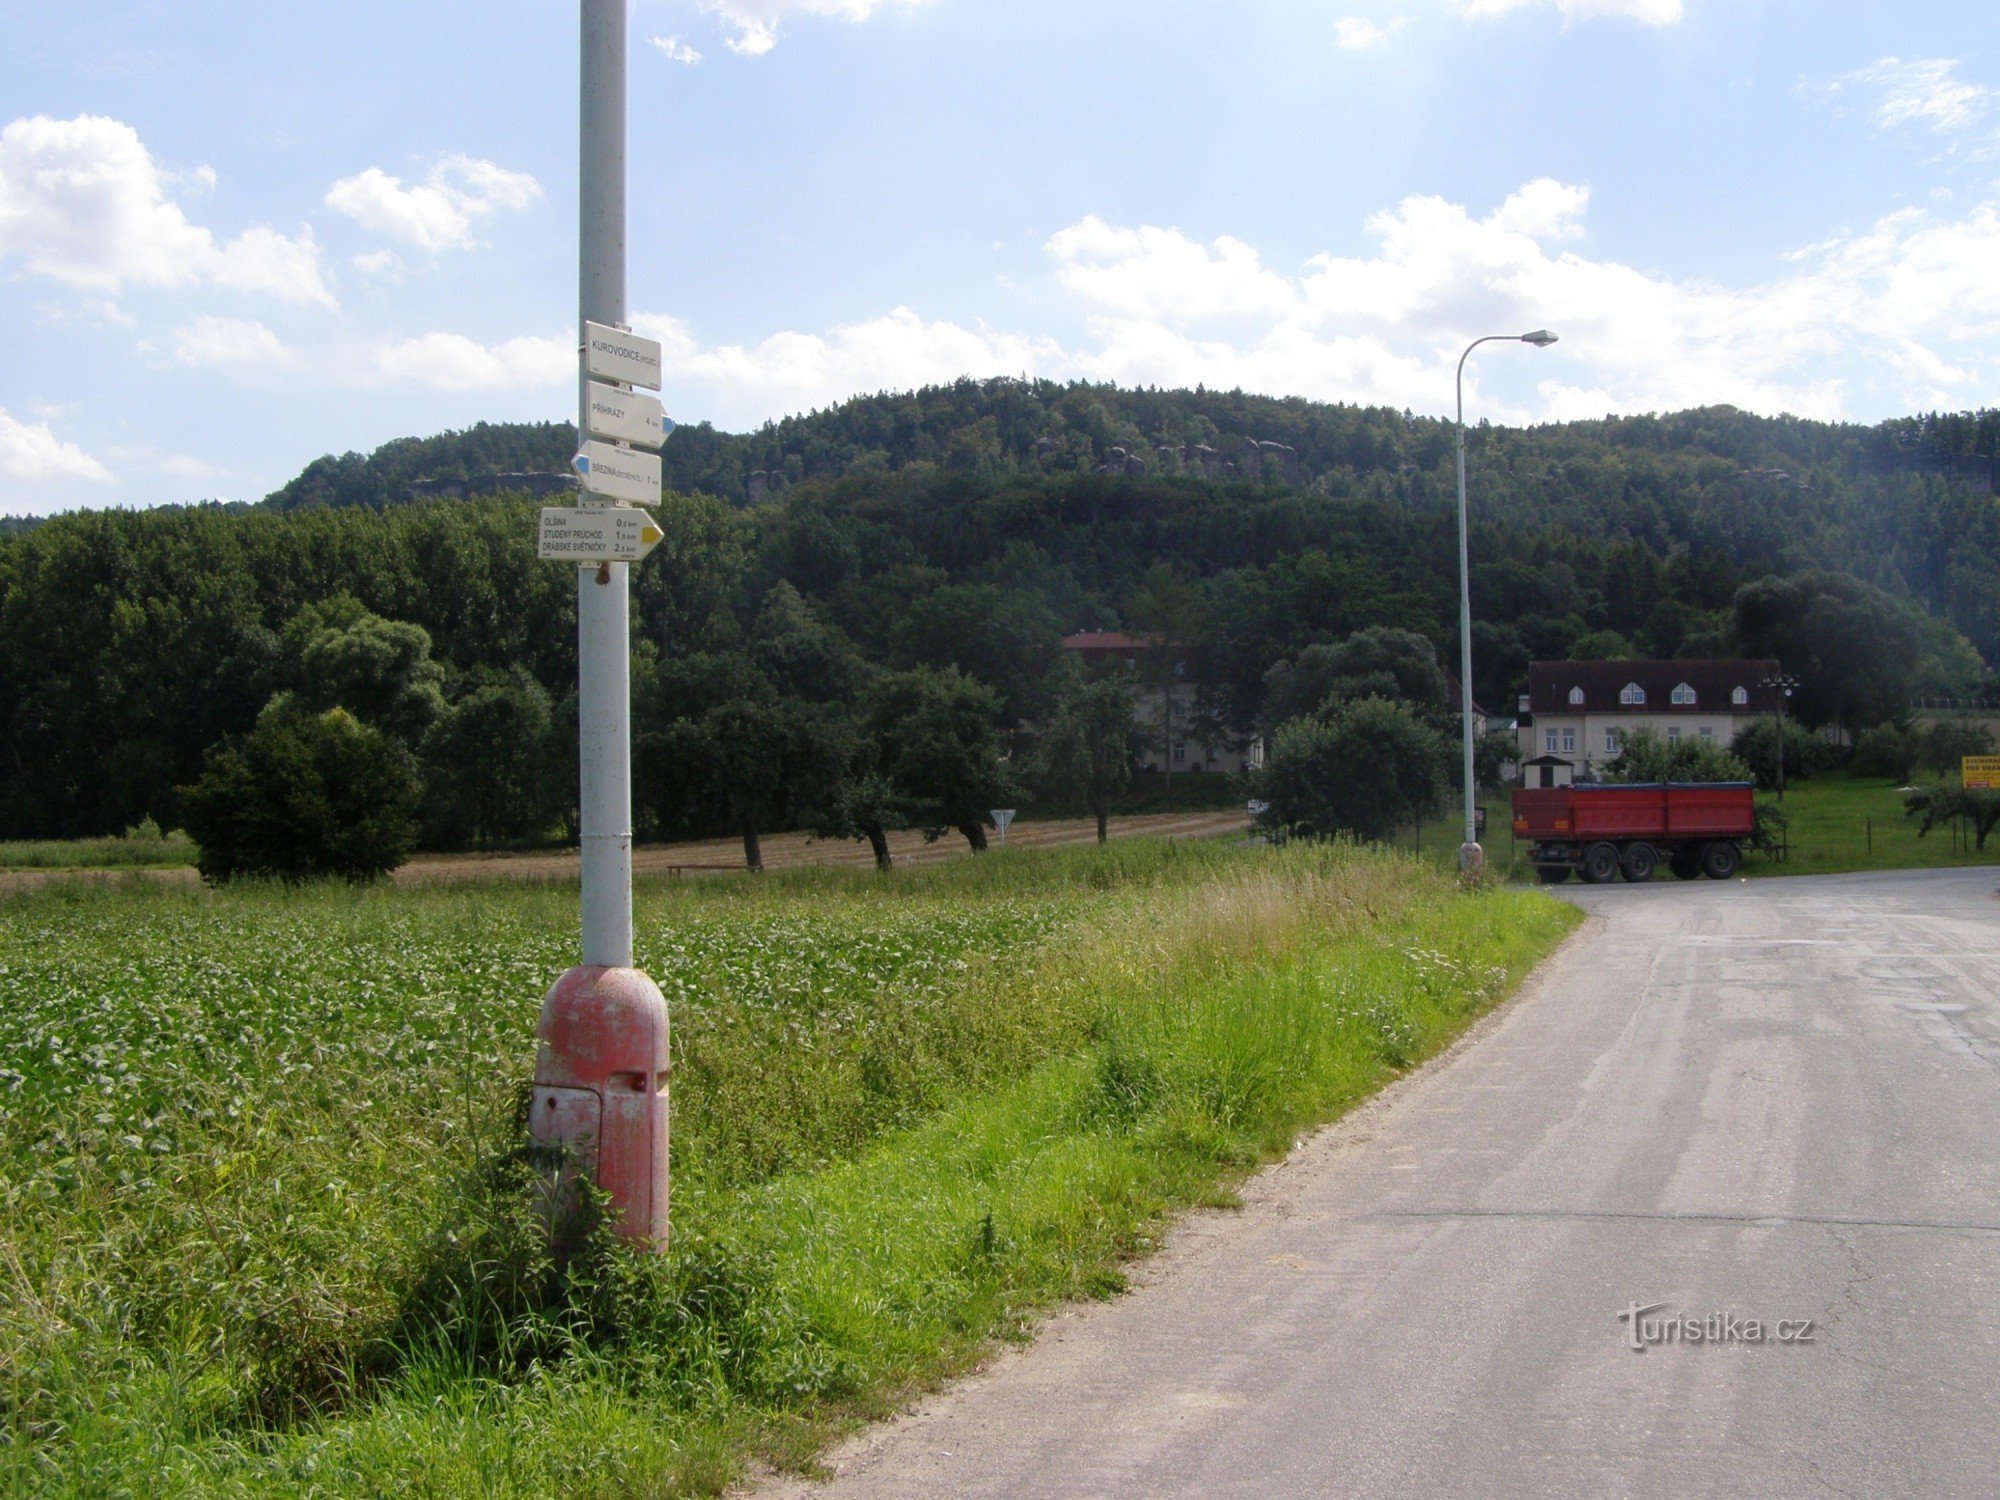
x,y
618,473
626,416
1001,817
614,354
583,535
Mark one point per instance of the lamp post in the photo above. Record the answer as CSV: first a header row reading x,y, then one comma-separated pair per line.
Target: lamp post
x,y
1470,856
1785,684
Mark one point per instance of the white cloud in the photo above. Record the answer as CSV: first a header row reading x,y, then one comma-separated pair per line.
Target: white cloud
x,y
757,24
1923,91
1645,12
439,212
1359,34
794,371
30,451
83,202
228,341
1903,315
452,362
182,466
676,50
1162,273
379,263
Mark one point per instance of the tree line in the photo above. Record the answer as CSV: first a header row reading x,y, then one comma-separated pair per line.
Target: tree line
x,y
880,637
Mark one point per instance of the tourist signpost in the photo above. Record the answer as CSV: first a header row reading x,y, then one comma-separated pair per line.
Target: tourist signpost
x,y
600,1095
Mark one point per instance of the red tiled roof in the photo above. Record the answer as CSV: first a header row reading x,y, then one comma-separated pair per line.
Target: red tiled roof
x,y
1714,684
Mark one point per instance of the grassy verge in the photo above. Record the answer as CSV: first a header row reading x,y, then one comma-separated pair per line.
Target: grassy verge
x,y
261,1187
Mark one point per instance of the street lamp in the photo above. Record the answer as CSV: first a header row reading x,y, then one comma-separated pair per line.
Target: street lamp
x,y
1786,685
1470,856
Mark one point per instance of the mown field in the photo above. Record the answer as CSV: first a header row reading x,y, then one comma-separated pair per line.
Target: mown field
x,y
262,1186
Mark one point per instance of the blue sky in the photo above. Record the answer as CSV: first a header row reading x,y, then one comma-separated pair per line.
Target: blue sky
x,y
235,236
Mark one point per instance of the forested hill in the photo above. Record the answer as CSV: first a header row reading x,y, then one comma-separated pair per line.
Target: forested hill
x,y
1012,426
1905,505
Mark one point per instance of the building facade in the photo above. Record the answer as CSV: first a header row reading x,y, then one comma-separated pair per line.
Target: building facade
x,y
1576,714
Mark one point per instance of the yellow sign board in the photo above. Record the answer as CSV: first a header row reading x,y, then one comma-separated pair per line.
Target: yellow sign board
x,y
1981,773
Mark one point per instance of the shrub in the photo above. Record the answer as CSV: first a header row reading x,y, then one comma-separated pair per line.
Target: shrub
x,y
1943,743
1647,757
304,796
1887,751
1756,745
1365,769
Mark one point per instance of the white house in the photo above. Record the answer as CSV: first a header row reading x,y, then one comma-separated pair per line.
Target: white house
x,y
1576,714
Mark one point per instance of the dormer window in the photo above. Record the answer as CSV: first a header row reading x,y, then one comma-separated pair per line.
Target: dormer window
x,y
1632,695
1576,697
1741,697
1684,696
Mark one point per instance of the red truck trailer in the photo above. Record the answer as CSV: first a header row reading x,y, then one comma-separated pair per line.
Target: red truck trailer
x,y
1599,831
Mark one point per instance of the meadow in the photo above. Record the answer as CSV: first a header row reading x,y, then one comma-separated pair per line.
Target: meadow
x,y
263,1191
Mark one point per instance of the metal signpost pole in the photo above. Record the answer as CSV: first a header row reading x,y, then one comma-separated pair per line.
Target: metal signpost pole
x,y
600,1097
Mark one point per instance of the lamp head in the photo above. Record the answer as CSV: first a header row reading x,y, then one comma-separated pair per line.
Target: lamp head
x,y
1541,338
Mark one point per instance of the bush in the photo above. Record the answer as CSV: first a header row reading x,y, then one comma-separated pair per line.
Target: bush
x,y
1366,769
1756,745
304,796
1943,743
1647,757
1887,751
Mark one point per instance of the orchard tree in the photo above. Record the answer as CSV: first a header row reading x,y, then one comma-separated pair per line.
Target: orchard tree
x,y
940,738
1086,750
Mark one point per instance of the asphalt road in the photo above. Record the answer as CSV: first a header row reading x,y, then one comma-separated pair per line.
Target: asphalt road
x,y
1776,1100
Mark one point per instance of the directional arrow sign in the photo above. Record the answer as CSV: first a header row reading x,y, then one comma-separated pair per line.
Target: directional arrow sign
x,y
614,354
627,416
584,535
618,473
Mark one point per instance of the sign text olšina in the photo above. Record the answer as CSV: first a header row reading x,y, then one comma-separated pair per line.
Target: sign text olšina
x,y
618,464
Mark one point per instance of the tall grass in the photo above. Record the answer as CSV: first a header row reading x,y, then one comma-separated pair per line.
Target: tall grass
x,y
262,1207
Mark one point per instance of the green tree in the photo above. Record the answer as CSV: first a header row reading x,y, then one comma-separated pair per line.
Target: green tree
x,y
1943,744
304,796
1168,609
1365,769
491,767
940,739
378,670
752,765
1086,749
1936,805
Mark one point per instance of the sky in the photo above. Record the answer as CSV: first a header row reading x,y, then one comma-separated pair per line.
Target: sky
x,y
236,236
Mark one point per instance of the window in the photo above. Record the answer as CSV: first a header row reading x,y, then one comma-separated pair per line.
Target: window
x,y
1673,734
1707,733
1569,742
1740,697
1632,695
1576,697
1549,742
1180,754
1611,745
1684,696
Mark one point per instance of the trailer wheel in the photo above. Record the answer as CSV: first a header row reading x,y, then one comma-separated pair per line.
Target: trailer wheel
x,y
1640,861
1551,874
1720,859
1600,864
1686,863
